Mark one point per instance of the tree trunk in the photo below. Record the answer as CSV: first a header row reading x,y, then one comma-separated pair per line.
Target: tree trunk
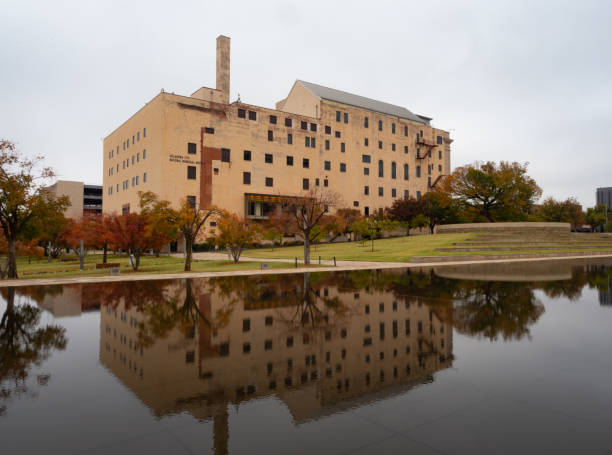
x,y
372,244
12,260
306,248
105,250
188,253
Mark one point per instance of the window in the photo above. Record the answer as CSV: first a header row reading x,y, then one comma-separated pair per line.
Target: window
x,y
405,172
268,158
225,155
307,141
366,171
405,131
191,201
305,184
380,145
304,125
144,134
366,190
133,140
289,161
241,113
366,211
429,168
270,135
273,119
405,149
327,165
439,140
365,158
406,194
393,192
144,154
439,168
132,159
342,167
246,178
366,122
191,148
288,122
393,128
209,130
317,181
289,138
439,154
380,168
418,195
355,203
247,155
380,125
305,163
269,181
326,144
327,129
337,134
346,117
393,170
393,147
312,142
366,142
144,177
342,147
418,171
337,116
191,172
381,191
313,127
325,182
252,115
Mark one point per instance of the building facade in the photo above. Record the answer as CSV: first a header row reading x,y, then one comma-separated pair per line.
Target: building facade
x,y
604,196
242,157
84,199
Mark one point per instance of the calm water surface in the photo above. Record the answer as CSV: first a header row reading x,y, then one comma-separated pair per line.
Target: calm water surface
x,y
456,360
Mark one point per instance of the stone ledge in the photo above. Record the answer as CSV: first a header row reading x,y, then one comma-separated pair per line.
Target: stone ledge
x,y
515,228
493,257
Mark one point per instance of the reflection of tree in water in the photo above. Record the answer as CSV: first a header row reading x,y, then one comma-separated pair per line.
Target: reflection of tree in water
x,y
23,345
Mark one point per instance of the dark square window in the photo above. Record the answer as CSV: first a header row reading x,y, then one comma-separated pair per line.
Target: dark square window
x,y
317,181
338,134
268,158
191,148
305,184
225,155
346,117
246,325
366,122
268,345
418,195
418,171
312,142
327,165
246,178
366,171
241,113
191,172
439,168
366,211
438,140
366,190
191,201
355,203
305,163
273,119
393,128
337,116
342,147
289,161
269,181
381,191
268,320
393,192
380,125
246,348
366,141
439,154
405,149
342,167
313,127
247,155
304,125
326,144
365,158
270,135
327,129
252,115
209,130
288,122
405,131
393,147
289,138
406,193
307,141
325,182
190,357
380,144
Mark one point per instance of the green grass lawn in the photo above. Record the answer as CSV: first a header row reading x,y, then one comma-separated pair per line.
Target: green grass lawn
x,y
148,264
397,249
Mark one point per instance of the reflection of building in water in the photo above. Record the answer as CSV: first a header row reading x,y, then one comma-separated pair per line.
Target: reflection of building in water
x,y
509,271
62,301
605,293
342,349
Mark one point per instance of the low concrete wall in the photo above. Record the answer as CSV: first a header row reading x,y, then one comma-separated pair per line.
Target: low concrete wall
x,y
514,228
493,257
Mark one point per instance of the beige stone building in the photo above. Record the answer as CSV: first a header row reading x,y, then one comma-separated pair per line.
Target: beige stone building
x,y
84,199
241,157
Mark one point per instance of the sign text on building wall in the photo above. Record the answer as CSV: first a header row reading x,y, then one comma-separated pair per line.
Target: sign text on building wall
x,y
183,159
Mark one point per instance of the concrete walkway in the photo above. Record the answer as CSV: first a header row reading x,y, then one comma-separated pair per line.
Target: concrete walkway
x,y
341,266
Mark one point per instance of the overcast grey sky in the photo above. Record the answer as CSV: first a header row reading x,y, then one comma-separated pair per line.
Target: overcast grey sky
x,y
512,80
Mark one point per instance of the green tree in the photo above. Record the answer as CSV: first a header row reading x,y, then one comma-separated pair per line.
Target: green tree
x,y
405,210
23,199
494,192
236,233
596,216
372,227
440,208
568,211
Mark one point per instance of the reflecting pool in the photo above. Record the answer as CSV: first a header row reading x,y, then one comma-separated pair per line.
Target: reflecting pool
x,y
497,358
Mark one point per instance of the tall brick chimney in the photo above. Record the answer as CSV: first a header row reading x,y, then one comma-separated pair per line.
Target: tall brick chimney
x,y
223,66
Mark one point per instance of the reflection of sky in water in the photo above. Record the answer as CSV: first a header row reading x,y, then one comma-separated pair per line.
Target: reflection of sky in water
x,y
545,391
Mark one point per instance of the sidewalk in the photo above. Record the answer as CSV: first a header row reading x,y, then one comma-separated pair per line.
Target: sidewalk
x,y
341,266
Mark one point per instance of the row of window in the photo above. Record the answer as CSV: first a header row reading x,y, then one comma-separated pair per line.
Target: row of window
x,y
273,119
126,143
126,163
125,184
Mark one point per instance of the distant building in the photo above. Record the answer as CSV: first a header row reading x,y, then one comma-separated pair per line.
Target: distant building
x,y
604,196
84,199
